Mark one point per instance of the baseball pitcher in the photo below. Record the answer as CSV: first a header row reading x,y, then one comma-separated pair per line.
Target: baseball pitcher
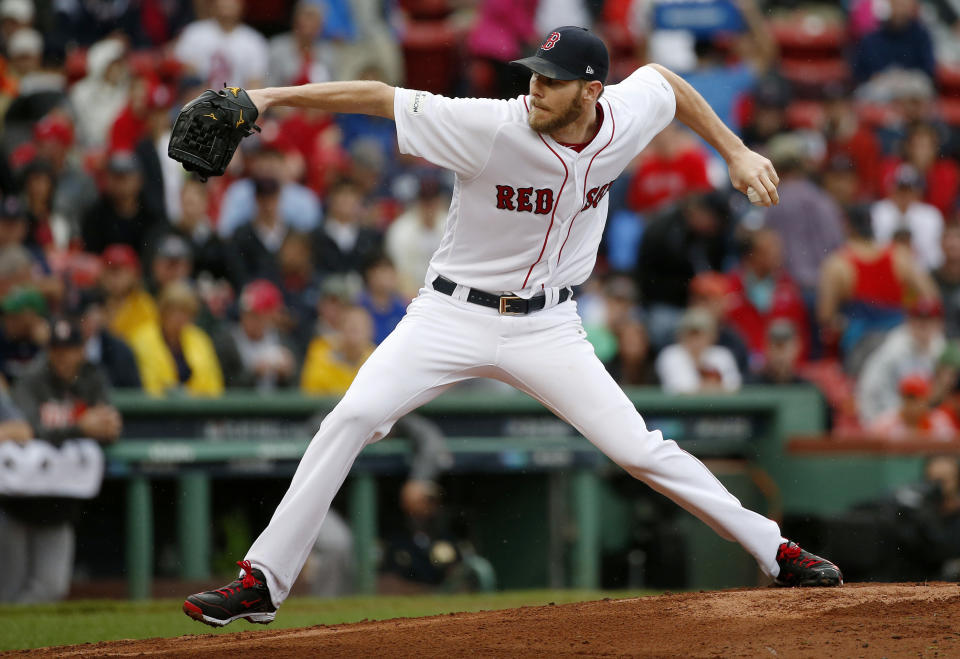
x,y
524,226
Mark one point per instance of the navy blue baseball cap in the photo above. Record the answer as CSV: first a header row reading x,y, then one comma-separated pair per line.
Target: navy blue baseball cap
x,y
570,53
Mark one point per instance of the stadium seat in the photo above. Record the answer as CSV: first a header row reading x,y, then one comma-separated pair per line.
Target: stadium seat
x,y
948,80
805,115
808,77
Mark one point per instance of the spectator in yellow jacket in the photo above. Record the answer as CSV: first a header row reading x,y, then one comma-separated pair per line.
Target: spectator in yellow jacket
x,y
129,306
173,352
334,359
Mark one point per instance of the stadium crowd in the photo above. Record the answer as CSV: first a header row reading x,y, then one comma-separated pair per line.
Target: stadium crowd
x,y
287,271
118,270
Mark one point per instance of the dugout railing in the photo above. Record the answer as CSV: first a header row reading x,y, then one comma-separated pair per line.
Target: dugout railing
x,y
195,441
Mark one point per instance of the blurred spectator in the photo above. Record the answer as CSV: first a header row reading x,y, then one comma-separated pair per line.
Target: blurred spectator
x,y
761,291
129,306
900,41
194,225
685,240
81,23
65,397
782,350
839,180
603,307
342,244
672,166
14,14
23,331
39,186
940,176
333,360
913,418
947,277
809,223
300,56
632,364
40,89
300,285
17,268
172,352
413,237
695,363
254,246
847,135
100,96
502,31
768,114
161,20
74,190
15,231
369,40
119,216
864,287
222,49
903,210
910,349
381,296
268,360
712,291
172,261
103,348
143,128
299,206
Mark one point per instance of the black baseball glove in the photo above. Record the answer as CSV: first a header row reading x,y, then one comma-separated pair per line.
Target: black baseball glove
x,y
209,129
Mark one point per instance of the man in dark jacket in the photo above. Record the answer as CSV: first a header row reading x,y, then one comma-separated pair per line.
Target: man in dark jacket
x,y
342,244
103,347
66,397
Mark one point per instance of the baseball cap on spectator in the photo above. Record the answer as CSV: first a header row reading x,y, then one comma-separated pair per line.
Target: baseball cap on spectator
x,y
260,296
120,256
20,11
175,248
570,53
914,386
781,330
123,162
771,91
25,41
54,127
907,176
159,96
65,333
266,186
786,151
24,298
709,284
12,209
925,308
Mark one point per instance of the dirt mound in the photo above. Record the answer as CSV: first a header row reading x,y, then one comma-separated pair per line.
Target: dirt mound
x,y
858,620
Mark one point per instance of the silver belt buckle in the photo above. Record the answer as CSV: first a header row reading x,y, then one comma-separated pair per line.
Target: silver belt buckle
x,y
504,302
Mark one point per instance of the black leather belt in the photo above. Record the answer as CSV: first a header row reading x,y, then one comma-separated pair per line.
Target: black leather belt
x,y
508,305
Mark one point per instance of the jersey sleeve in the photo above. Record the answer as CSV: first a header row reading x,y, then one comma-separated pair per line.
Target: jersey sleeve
x,y
650,98
454,133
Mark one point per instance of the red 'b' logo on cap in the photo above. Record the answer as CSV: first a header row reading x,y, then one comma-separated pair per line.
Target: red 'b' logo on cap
x,y
551,40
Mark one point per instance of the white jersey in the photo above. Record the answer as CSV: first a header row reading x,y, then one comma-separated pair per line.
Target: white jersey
x,y
527,214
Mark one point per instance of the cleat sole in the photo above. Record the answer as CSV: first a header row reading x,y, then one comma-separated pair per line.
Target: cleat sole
x,y
194,611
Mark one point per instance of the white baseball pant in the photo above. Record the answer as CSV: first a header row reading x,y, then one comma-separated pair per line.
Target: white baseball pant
x,y
442,341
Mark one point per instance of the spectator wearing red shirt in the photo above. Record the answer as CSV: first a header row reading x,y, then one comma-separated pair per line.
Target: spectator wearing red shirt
x,y
847,135
762,291
673,166
921,148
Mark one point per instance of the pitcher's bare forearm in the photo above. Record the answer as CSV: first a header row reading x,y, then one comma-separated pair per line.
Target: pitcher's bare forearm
x,y
747,168
352,96
694,111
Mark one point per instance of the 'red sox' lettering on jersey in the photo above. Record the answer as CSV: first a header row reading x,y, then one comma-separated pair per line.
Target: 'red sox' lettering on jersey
x,y
525,200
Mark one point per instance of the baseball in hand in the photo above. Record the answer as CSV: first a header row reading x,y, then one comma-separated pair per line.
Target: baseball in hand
x,y
753,196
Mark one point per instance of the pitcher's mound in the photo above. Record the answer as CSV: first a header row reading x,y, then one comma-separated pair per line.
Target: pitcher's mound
x,y
858,620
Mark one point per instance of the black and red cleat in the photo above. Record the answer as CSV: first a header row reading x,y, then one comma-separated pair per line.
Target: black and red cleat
x,y
801,568
247,597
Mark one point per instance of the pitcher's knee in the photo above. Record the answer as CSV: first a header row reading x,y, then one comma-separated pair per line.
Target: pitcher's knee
x,y
356,418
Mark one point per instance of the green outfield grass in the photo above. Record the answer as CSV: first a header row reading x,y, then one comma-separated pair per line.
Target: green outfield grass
x,y
86,621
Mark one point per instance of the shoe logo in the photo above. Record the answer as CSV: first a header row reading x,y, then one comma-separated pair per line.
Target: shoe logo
x,y
249,604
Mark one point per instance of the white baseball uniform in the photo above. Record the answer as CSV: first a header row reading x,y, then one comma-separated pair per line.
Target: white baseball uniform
x,y
526,218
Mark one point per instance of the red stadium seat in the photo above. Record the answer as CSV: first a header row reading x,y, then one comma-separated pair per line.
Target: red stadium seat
x,y
808,36
949,109
948,80
808,77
